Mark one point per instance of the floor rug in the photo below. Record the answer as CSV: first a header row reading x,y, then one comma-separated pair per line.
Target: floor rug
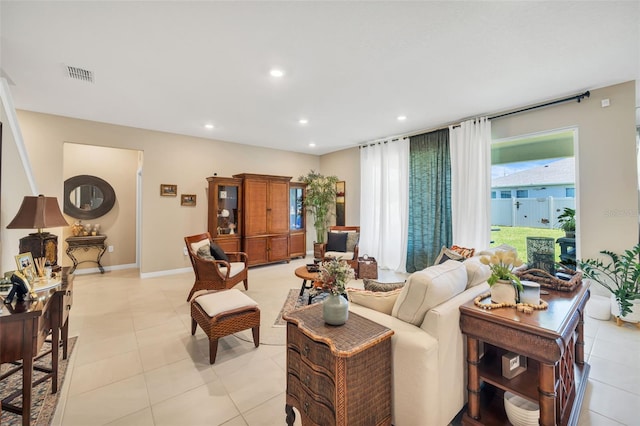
x,y
43,403
295,301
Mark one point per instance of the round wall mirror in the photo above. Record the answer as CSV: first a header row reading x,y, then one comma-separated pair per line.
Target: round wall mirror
x,y
88,197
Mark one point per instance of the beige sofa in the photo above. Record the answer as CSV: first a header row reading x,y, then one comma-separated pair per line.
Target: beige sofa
x,y
428,349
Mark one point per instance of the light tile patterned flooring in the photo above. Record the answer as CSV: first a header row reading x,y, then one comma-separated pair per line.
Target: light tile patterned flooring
x,y
136,363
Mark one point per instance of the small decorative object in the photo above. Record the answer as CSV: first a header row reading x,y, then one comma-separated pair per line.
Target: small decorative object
x,y
168,190
513,364
87,229
40,262
335,274
26,265
367,267
20,288
621,277
541,254
47,270
77,228
232,227
96,230
530,293
502,264
520,411
188,200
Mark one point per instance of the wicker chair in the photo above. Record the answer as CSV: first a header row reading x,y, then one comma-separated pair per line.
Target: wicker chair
x,y
351,256
215,274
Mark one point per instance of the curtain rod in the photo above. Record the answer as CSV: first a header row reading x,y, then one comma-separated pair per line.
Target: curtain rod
x,y
577,98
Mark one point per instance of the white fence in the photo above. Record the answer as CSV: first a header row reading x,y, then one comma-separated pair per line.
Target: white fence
x,y
529,212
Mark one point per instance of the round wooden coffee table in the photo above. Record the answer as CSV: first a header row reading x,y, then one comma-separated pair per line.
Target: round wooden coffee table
x,y
313,277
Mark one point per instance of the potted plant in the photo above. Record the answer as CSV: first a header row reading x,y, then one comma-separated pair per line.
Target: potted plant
x,y
319,199
505,284
567,222
621,277
335,274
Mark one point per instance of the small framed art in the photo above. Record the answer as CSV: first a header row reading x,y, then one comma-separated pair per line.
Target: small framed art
x,y
188,200
25,264
168,190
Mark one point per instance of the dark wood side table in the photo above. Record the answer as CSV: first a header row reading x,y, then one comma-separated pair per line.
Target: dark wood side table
x,y
337,375
23,329
86,243
553,342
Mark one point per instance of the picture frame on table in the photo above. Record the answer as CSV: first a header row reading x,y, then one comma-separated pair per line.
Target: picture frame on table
x,y
24,262
188,200
168,190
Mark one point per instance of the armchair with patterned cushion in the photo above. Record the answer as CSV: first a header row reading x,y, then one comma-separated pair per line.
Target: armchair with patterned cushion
x,y
215,269
342,242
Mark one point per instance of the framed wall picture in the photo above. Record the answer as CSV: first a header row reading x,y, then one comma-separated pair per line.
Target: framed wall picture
x,y
168,190
340,204
187,199
25,264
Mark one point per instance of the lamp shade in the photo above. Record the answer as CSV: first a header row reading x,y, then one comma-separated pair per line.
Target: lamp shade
x,y
37,213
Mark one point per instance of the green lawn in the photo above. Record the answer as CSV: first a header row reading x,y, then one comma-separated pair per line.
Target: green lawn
x,y
517,237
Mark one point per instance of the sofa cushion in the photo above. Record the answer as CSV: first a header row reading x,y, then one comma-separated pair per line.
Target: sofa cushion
x,y
374,285
195,246
463,251
477,272
352,240
428,288
448,254
381,301
337,241
218,253
204,252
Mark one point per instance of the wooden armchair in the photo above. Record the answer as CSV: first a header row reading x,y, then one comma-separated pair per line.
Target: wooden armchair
x,y
214,274
351,249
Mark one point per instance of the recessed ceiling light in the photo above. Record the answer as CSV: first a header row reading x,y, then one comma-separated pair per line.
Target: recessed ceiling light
x,y
276,73
303,121
402,117
208,126
312,145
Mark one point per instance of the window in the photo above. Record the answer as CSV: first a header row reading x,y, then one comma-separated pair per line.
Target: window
x,y
522,193
570,192
493,194
505,194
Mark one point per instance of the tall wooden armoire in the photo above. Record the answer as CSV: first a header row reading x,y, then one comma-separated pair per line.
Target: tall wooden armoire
x,y
265,232
225,212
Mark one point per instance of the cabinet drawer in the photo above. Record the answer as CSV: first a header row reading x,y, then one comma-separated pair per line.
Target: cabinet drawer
x,y
316,411
316,353
314,382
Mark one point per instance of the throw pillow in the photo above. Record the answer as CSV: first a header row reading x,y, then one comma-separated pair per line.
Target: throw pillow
x,y
373,285
218,253
447,254
352,240
337,241
428,288
477,272
463,251
378,301
204,252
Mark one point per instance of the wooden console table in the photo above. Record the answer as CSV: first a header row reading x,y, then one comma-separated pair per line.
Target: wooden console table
x,y
23,329
337,375
553,342
86,243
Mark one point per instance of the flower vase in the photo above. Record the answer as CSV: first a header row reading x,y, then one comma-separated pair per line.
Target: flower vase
x,y
335,310
503,291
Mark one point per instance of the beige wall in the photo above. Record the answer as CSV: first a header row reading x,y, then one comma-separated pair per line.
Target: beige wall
x,y
606,179
169,159
119,168
345,165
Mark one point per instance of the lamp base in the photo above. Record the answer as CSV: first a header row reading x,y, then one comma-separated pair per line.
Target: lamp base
x,y
41,244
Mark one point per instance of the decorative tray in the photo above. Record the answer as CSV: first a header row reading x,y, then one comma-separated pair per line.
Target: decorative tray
x,y
547,280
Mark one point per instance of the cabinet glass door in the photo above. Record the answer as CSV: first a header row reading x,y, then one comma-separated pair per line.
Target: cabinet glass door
x,y
228,220
296,208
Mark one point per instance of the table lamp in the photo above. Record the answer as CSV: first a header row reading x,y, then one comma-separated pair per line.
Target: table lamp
x,y
37,213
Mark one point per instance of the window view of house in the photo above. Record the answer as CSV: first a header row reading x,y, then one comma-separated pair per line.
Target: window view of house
x,y
529,196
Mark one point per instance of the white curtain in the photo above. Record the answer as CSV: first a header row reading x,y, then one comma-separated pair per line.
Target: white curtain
x,y
384,203
470,148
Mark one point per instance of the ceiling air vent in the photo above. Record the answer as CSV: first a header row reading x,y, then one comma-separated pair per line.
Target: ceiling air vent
x,y
80,74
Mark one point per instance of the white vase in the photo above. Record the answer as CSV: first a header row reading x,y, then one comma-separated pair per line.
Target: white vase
x,y
503,291
633,316
335,310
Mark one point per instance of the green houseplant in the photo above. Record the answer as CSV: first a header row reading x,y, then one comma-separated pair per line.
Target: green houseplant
x,y
621,276
567,222
320,197
502,264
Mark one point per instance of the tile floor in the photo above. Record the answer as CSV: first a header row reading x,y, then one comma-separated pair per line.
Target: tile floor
x,y
136,363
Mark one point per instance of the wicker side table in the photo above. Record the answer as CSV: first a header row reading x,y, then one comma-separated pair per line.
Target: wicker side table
x,y
337,375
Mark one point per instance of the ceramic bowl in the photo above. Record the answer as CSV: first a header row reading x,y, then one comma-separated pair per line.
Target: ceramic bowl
x,y
520,411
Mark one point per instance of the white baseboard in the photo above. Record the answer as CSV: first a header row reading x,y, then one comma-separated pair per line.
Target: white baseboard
x,y
165,273
96,270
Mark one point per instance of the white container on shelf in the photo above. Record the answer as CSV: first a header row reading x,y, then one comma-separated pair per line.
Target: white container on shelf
x,y
520,411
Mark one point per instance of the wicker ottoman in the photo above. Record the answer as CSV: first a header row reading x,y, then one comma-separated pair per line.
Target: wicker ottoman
x,y
222,313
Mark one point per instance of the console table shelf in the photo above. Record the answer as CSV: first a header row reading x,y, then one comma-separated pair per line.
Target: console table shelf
x,y
86,243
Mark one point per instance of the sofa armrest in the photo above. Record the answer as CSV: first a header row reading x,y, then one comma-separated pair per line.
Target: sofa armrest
x,y
443,323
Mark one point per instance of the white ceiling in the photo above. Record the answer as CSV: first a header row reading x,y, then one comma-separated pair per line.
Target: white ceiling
x,y
351,67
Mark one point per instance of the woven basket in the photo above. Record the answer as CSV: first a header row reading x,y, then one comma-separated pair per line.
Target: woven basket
x,y
547,280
